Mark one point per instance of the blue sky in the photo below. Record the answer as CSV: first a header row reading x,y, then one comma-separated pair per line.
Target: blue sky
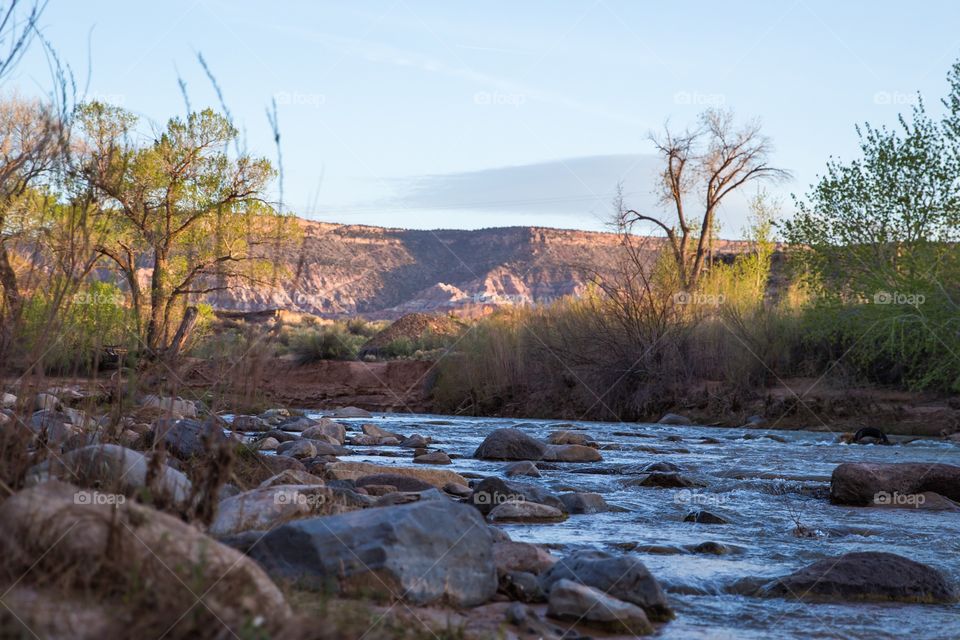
x,y
468,115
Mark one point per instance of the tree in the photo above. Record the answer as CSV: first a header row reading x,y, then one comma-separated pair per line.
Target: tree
x,y
708,163
183,208
887,218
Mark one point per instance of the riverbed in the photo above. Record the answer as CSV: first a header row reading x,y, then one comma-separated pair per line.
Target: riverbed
x,y
768,484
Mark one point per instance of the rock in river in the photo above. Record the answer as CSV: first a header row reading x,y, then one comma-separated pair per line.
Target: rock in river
x,y
571,600
864,483
425,552
622,577
518,511
510,444
873,576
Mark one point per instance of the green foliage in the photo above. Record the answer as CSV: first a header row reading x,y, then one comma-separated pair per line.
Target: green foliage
x,y
70,336
424,346
330,342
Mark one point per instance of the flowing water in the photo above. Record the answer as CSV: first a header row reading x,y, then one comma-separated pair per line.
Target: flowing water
x,y
763,482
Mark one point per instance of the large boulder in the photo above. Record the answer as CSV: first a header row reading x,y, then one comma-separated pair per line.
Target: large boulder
x,y
675,419
421,553
492,491
115,469
187,439
510,556
866,483
271,506
622,577
350,412
82,535
355,470
295,423
571,600
871,576
510,444
584,503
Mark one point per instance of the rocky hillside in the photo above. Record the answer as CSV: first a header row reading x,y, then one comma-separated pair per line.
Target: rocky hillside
x,y
343,270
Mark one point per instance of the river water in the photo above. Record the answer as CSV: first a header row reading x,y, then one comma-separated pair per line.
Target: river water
x,y
763,482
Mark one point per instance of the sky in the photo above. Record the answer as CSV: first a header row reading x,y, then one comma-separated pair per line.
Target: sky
x,y
423,114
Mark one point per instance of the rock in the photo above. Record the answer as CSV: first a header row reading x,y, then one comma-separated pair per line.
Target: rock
x,y
511,556
524,468
398,482
522,586
755,421
267,444
175,408
570,600
279,436
568,437
57,528
510,444
379,490
713,548
661,466
675,419
571,453
354,470
115,469
351,412
664,480
435,457
492,491
79,418
865,483
416,441
187,439
46,402
376,432
249,423
705,517
622,577
581,503
871,576
272,506
55,426
329,428
51,613
290,476
7,400
279,464
522,512
926,501
421,553
295,423
298,449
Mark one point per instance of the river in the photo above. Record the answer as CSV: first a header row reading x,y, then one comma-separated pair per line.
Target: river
x,y
763,482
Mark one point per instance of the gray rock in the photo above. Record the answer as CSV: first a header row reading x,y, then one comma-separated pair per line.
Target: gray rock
x,y
622,577
522,586
524,468
415,441
115,469
705,517
298,449
581,503
268,507
376,432
249,423
295,423
46,402
267,444
675,419
425,552
54,425
510,444
7,400
870,576
401,483
351,412
175,407
187,439
571,600
327,428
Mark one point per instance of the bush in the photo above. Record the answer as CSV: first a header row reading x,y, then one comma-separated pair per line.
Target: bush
x,y
331,342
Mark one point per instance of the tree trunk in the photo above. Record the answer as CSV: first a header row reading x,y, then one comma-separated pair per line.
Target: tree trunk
x,y
155,328
189,321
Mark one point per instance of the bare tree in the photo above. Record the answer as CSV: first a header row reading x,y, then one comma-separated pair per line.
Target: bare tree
x,y
705,165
